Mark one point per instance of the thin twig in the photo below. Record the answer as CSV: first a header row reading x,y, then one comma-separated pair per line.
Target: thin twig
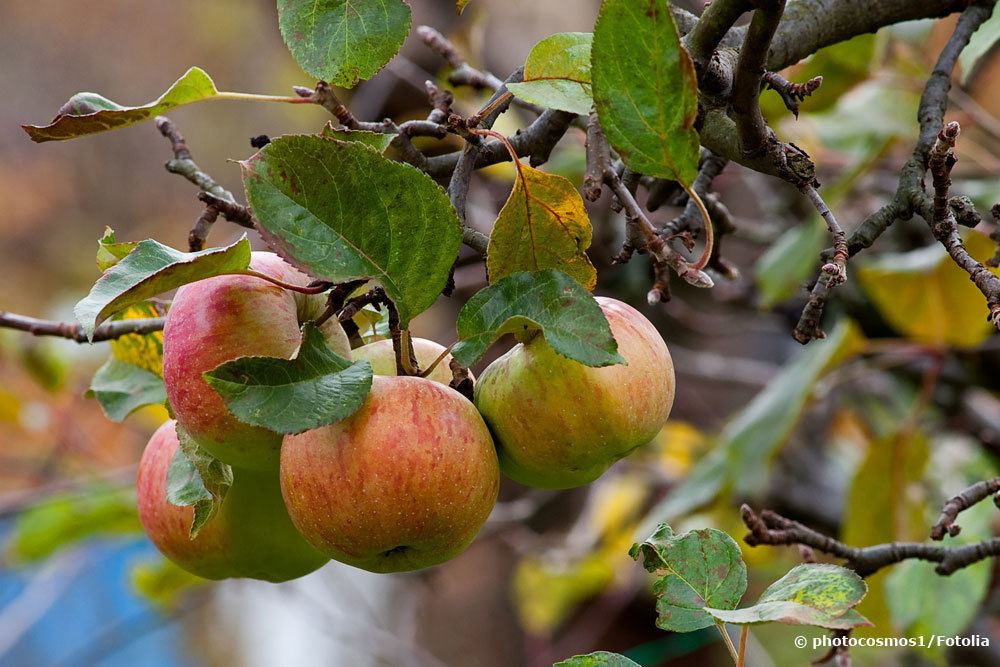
x,y
945,525
184,165
72,330
773,529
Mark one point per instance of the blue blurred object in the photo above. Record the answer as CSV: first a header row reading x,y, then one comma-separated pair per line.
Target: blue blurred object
x,y
79,609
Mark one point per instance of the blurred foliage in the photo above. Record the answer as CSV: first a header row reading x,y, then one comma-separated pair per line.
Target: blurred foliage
x,y
163,583
926,297
64,520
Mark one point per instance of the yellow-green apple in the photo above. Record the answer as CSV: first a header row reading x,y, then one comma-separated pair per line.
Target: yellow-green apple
x,y
404,483
223,318
560,424
383,360
250,536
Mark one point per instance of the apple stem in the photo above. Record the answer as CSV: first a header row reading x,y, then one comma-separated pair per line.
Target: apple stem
x,y
743,645
317,287
434,364
402,346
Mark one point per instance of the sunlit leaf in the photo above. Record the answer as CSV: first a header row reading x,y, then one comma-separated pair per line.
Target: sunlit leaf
x,y
153,268
340,211
810,594
645,89
110,251
557,73
548,301
343,41
543,225
926,297
142,350
89,113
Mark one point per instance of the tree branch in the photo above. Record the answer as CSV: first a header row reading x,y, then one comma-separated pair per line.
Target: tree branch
x,y
72,330
976,493
744,102
183,165
773,529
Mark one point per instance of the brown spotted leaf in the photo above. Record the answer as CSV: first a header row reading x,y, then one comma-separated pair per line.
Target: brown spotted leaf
x,y
701,568
90,113
543,225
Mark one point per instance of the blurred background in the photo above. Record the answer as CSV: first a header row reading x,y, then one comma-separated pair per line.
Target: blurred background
x,y
862,435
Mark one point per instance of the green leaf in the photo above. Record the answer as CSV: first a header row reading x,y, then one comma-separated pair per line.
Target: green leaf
x,y
316,388
980,44
810,594
110,251
543,225
378,140
343,41
753,436
645,89
557,73
341,211
197,479
597,659
122,388
926,297
66,519
704,568
153,268
547,301
89,113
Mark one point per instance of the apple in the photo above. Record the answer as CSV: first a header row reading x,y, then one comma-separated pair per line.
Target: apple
x,y
404,483
559,424
383,359
250,536
223,318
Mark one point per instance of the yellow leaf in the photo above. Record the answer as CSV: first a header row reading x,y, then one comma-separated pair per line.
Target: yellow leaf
x,y
676,447
543,225
142,350
927,298
547,592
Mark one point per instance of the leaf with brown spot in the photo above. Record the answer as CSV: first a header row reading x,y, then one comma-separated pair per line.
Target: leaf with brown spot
x,y
90,113
543,225
701,568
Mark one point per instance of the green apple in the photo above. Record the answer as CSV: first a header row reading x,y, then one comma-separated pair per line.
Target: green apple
x,y
250,536
559,424
383,360
223,318
405,483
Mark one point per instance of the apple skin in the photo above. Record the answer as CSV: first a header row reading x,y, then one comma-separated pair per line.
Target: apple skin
x,y
404,483
383,360
223,318
559,424
250,536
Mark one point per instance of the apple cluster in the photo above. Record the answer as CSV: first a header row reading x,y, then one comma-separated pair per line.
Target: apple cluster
x,y
408,480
